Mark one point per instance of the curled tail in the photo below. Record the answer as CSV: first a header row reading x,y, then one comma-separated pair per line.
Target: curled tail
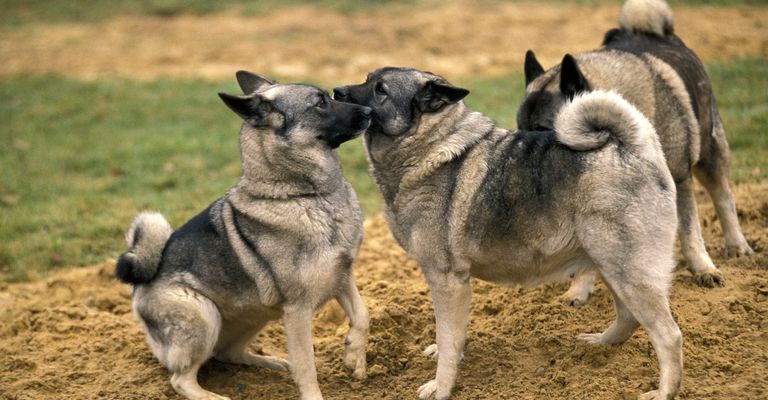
x,y
146,240
646,16
594,118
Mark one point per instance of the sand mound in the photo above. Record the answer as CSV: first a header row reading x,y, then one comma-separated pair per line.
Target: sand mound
x,y
458,39
73,336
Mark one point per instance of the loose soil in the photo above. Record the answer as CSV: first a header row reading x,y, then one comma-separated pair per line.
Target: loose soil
x,y
73,336
459,39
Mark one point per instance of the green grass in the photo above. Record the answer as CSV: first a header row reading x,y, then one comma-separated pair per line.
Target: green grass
x,y
78,159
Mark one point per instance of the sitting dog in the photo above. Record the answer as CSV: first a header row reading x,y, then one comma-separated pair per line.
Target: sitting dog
x,y
465,197
278,244
651,67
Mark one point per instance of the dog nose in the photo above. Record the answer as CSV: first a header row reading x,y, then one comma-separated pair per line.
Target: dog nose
x,y
340,93
367,111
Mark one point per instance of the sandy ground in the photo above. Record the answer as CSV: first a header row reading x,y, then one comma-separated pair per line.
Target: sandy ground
x,y
456,39
73,336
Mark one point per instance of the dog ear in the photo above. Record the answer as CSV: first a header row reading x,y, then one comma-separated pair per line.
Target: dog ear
x,y
572,81
251,82
437,94
254,109
532,67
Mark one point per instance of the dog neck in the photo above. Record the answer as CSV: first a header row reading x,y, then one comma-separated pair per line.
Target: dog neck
x,y
272,173
436,140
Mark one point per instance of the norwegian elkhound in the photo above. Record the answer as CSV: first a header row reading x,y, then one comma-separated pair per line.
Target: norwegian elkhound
x,y
466,197
278,244
651,67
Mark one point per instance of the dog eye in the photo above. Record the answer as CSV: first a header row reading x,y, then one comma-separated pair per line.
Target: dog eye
x,y
380,89
321,102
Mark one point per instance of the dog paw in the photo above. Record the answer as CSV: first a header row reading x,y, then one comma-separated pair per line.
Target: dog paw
x,y
592,338
354,357
427,390
739,250
652,395
431,351
574,300
356,363
276,363
710,279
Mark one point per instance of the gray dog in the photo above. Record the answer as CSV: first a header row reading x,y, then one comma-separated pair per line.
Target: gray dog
x,y
466,197
651,67
279,244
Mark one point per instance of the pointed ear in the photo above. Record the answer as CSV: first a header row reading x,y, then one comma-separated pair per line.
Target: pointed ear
x,y
532,67
572,81
253,109
250,82
437,94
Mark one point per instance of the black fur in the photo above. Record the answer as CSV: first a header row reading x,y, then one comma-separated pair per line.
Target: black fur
x,y
572,81
533,68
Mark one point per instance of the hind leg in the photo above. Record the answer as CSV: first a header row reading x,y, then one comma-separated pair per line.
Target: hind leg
x,y
691,241
634,257
620,330
233,343
641,299
182,330
712,171
648,304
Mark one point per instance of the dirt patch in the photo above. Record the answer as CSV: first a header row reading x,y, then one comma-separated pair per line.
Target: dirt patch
x,y
459,40
73,335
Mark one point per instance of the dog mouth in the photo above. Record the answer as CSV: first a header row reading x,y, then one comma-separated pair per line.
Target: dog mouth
x,y
337,140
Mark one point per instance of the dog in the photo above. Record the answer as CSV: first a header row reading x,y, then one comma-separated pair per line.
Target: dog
x,y
279,244
465,197
651,67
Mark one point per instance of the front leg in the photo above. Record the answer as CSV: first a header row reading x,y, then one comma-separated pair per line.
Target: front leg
x,y
451,296
298,330
357,338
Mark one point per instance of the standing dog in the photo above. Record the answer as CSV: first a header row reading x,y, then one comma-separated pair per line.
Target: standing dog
x,y
465,197
280,243
651,67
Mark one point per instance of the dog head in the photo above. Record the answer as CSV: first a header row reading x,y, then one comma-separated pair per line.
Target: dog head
x,y
399,97
547,91
297,114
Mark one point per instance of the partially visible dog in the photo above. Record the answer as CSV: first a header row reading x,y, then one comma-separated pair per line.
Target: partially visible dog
x,y
466,197
279,244
651,67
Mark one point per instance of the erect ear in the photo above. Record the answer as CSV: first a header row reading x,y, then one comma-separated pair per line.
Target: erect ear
x,y
572,81
253,109
251,82
437,94
532,67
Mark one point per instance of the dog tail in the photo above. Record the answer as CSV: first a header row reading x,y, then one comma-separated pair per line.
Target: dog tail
x,y
594,118
652,17
146,240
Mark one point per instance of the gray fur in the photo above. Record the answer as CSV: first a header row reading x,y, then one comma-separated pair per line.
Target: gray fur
x,y
648,65
280,243
146,240
467,198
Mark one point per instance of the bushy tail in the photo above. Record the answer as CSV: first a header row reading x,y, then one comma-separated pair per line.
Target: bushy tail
x,y
646,16
594,118
146,240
